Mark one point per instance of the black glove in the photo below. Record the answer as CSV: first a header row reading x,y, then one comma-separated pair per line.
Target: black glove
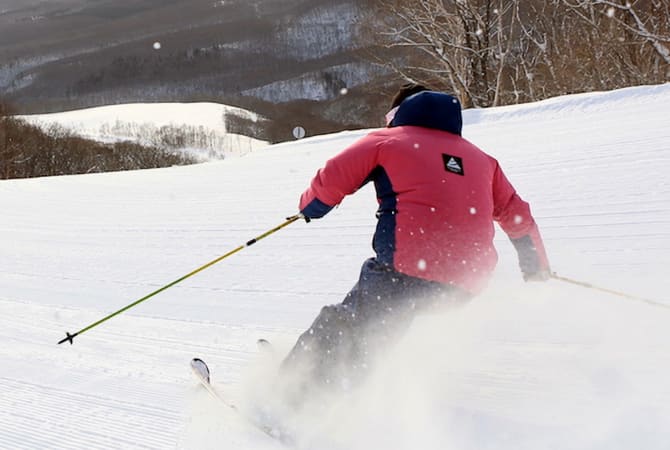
x,y
529,262
301,216
540,275
315,210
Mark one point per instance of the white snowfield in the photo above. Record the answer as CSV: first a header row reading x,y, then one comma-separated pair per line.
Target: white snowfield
x,y
523,366
202,126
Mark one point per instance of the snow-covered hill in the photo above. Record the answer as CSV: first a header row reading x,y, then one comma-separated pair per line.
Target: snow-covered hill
x,y
525,366
78,53
201,126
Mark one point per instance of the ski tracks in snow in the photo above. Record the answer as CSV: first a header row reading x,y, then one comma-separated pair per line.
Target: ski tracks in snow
x,y
128,386
76,248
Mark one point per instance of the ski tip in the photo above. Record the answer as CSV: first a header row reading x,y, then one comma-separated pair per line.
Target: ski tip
x,y
200,368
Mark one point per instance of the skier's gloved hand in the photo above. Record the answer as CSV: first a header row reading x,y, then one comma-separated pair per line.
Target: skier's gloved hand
x,y
532,268
315,210
299,216
540,275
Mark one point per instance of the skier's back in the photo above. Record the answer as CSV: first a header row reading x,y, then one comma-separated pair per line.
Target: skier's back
x,y
438,197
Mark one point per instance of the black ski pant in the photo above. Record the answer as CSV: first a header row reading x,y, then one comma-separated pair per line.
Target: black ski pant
x,y
339,348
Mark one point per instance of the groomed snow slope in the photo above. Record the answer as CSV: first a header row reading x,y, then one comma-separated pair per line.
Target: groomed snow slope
x,y
524,366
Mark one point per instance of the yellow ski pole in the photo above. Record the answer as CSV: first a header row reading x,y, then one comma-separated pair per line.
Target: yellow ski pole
x,y
610,291
69,337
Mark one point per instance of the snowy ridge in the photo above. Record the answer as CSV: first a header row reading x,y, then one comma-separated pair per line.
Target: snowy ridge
x,y
525,366
202,123
563,106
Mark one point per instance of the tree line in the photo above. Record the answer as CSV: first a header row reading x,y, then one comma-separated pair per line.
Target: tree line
x,y
27,151
497,52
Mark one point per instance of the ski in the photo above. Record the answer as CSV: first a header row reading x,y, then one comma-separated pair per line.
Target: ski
x,y
202,373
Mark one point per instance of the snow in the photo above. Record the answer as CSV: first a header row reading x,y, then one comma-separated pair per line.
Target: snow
x,y
146,122
524,366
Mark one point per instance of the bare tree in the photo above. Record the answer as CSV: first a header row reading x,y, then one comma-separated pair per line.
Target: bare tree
x,y
28,151
492,52
647,20
631,38
8,152
466,47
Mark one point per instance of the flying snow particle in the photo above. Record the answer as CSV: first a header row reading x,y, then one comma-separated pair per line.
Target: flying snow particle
x,y
157,45
416,145
479,32
473,210
421,265
610,12
344,91
518,220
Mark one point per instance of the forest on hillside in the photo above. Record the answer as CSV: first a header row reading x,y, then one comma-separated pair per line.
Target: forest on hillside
x,y
498,52
323,65
291,60
28,151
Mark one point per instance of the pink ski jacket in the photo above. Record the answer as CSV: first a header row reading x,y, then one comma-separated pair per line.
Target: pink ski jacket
x,y
438,196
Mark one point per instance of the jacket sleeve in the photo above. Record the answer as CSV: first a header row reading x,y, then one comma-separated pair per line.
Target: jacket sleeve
x,y
514,216
342,175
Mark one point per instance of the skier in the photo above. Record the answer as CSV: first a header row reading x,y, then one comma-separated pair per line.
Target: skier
x,y
438,197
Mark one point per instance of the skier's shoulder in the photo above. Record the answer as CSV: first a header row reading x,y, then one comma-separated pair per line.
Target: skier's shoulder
x,y
379,136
